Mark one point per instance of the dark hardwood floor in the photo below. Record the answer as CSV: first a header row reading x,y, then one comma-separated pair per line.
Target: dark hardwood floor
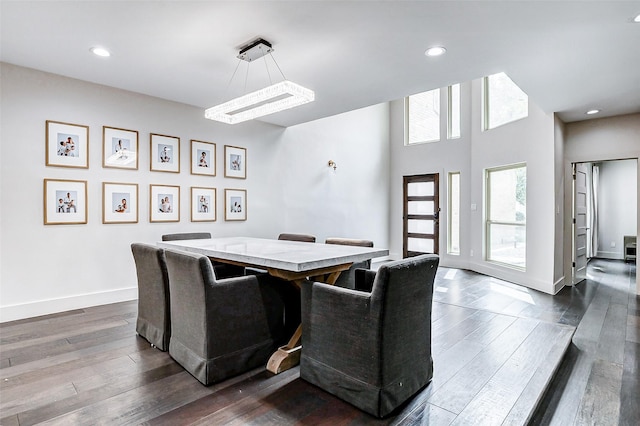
x,y
493,342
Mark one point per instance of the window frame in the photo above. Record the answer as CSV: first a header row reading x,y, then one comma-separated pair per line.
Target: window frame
x,y
450,213
489,222
407,137
450,112
486,104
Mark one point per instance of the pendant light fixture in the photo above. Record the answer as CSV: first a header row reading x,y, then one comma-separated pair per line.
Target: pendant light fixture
x,y
274,98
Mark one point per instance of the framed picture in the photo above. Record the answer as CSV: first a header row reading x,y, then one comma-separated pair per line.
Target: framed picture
x,y
203,158
67,145
235,204
165,153
65,202
119,148
164,204
235,162
203,204
119,202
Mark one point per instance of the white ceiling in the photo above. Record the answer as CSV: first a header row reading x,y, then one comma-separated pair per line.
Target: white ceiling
x,y
568,56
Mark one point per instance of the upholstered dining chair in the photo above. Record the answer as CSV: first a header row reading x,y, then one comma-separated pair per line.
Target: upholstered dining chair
x,y
347,278
371,349
297,237
219,327
153,322
222,270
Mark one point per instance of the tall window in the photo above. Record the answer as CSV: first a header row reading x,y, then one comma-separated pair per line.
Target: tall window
x,y
504,101
506,212
453,116
423,117
454,214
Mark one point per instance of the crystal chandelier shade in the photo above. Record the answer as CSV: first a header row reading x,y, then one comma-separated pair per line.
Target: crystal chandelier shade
x,y
271,99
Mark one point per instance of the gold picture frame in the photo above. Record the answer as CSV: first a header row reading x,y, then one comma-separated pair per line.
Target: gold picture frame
x,y
119,202
235,162
164,153
65,202
235,204
203,158
67,144
203,204
164,203
119,148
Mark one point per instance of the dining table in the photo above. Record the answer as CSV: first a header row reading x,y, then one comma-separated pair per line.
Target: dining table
x,y
292,261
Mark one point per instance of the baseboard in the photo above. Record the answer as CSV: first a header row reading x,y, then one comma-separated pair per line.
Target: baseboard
x,y
558,285
52,306
612,255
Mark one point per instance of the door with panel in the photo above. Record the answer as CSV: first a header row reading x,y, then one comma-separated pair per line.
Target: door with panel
x,y
580,227
421,213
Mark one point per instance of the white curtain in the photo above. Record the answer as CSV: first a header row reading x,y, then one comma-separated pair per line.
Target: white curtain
x,y
592,248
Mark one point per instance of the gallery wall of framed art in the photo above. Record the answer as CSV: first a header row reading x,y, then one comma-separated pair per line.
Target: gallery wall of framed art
x,y
65,201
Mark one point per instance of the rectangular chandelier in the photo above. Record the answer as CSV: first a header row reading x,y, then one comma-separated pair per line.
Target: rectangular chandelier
x,y
271,99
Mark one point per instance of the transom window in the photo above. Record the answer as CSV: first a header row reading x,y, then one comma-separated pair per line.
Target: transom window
x,y
423,117
504,101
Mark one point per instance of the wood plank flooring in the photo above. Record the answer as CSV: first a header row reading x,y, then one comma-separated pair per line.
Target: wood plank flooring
x,y
494,346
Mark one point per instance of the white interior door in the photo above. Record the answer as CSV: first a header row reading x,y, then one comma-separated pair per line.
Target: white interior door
x,y
580,227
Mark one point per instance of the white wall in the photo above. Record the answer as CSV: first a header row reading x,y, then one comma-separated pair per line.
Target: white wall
x,y
427,158
529,141
611,138
45,269
350,201
617,206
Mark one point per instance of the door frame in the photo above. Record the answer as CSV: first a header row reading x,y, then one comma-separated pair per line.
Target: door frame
x,y
427,177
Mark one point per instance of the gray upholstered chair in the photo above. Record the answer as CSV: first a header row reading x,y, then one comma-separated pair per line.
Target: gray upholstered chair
x,y
347,278
297,237
153,321
219,328
222,270
371,349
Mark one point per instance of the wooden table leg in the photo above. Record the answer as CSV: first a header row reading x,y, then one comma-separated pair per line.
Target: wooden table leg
x,y
286,356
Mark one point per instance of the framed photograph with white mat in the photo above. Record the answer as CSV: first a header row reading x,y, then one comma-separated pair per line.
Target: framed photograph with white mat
x,y
119,148
235,162
67,145
165,153
203,204
203,158
164,203
119,202
235,204
65,202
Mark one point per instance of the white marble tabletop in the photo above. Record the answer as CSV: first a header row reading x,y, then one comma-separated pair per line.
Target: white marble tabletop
x,y
278,254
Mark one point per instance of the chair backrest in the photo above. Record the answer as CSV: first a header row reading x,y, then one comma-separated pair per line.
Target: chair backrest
x,y
402,295
153,294
297,237
204,310
349,242
347,278
186,236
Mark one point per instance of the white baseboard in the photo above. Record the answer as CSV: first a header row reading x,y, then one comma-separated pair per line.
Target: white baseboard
x,y
52,306
613,255
558,285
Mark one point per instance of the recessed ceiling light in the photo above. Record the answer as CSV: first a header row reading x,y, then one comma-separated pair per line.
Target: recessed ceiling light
x,y
637,19
100,51
593,111
435,51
